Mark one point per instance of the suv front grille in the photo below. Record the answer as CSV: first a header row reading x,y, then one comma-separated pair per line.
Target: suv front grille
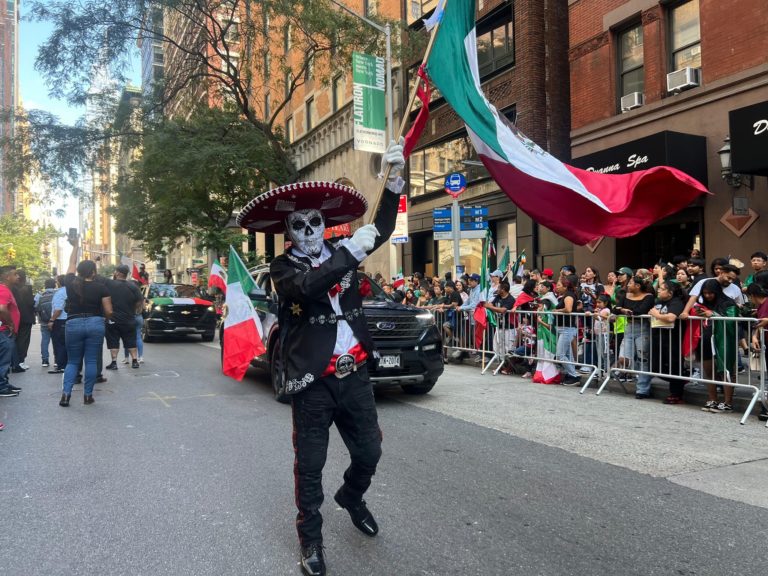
x,y
403,326
185,313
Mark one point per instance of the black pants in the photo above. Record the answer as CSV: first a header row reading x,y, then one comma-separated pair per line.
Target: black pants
x,y
59,343
349,403
22,342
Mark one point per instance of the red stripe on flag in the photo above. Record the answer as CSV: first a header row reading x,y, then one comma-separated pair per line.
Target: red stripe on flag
x,y
423,93
635,200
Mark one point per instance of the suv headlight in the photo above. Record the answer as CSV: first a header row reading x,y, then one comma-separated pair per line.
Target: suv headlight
x,y
157,308
211,309
425,318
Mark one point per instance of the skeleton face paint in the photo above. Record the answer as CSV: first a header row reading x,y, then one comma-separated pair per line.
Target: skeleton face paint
x,y
305,229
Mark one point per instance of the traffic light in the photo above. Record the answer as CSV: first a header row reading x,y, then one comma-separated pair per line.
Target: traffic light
x,y
11,253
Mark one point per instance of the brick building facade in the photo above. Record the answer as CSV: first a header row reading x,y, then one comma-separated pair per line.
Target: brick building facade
x,y
655,82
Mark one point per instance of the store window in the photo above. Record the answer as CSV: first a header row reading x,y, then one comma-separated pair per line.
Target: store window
x,y
470,256
685,35
631,68
429,166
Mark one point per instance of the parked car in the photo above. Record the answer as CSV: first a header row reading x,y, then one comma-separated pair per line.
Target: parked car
x,y
408,342
177,310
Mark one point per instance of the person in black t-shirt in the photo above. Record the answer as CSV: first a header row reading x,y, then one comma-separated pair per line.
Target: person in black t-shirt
x,y
126,303
88,304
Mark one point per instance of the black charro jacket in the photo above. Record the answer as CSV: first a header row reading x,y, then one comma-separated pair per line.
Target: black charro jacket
x,y
306,317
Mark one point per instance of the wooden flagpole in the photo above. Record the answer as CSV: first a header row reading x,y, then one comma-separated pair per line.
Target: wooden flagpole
x,y
403,122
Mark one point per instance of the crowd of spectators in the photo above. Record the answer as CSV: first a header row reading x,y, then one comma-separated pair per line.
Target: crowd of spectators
x,y
636,319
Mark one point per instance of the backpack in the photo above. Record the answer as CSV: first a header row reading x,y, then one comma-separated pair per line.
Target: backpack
x,y
45,307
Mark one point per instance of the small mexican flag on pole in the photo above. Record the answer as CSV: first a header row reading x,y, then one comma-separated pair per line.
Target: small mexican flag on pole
x,y
217,277
242,327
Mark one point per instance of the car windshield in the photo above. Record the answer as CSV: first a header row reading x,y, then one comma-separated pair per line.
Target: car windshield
x,y
171,291
370,290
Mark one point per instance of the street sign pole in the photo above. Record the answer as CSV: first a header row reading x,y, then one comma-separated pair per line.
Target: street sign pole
x,y
456,232
455,184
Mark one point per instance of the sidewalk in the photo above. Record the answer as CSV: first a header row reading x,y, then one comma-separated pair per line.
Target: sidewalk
x,y
705,451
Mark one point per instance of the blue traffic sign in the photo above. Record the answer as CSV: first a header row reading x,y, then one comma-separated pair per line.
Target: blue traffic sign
x,y
455,183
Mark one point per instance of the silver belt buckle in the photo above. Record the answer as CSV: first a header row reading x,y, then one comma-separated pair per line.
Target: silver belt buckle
x,y
345,365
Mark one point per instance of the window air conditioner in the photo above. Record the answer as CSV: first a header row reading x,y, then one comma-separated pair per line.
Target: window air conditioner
x,y
683,79
631,101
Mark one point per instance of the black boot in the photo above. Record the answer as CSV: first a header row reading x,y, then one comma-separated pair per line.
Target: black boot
x,y
64,400
358,511
312,560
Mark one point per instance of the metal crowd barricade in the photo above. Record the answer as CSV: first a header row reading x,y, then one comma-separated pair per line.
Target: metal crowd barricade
x,y
513,338
699,349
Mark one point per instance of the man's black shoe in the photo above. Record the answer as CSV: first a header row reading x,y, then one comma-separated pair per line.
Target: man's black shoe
x,y
14,388
100,379
7,392
17,370
361,516
56,371
312,560
112,366
135,363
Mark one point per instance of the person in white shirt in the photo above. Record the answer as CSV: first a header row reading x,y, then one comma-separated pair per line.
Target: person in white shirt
x,y
727,274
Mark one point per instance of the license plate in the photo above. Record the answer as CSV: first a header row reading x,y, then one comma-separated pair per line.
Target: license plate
x,y
389,361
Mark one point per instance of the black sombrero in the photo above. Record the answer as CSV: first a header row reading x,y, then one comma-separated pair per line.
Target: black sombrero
x,y
267,213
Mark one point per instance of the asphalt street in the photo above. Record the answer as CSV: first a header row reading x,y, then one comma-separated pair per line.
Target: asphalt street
x,y
177,469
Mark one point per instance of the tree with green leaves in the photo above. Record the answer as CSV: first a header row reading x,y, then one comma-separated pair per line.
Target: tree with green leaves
x,y
191,176
23,243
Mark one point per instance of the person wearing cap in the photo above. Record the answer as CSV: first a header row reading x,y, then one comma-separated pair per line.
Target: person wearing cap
x,y
324,342
496,277
547,274
126,303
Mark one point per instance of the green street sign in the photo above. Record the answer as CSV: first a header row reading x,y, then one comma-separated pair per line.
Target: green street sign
x,y
369,102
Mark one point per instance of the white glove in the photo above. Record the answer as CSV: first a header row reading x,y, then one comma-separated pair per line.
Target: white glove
x,y
365,237
394,157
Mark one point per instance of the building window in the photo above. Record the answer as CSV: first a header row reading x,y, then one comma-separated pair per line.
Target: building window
x,y
310,113
287,83
429,166
370,7
287,38
267,64
337,90
685,35
496,48
309,71
631,71
289,129
267,110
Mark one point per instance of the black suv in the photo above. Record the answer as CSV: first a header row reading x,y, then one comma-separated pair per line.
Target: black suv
x,y
407,340
177,310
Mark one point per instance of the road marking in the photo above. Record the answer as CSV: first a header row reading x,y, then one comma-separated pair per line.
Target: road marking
x,y
162,374
164,399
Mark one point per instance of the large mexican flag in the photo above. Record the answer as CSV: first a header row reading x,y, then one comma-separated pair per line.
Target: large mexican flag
x,y
577,204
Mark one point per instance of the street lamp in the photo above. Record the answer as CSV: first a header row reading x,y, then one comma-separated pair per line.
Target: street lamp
x,y
733,179
388,35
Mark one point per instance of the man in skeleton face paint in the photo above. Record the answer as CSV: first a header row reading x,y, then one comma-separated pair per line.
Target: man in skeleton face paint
x,y
324,341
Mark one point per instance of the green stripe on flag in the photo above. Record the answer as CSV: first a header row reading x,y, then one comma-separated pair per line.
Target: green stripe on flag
x,y
450,68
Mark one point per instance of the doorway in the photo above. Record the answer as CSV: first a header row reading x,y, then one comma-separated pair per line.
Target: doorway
x,y
674,235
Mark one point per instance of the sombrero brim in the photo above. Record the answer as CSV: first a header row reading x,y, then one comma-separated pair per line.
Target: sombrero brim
x,y
338,203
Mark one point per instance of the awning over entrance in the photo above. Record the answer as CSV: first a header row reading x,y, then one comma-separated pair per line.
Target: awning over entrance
x,y
686,152
749,139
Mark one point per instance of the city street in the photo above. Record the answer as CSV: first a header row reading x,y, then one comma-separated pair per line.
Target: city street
x,y
177,469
